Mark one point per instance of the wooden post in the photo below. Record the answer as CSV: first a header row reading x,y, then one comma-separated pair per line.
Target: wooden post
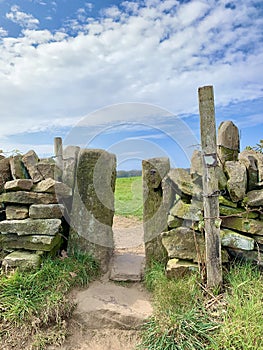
x,y
58,151
210,187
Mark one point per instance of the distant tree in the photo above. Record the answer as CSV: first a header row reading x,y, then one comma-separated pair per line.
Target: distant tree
x,y
257,148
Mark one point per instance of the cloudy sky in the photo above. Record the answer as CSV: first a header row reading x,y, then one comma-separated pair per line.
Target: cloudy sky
x,y
123,75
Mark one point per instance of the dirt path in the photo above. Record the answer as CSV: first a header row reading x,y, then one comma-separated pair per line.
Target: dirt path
x,y
109,314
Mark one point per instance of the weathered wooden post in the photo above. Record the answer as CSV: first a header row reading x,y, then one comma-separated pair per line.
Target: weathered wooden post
x,y
58,151
210,187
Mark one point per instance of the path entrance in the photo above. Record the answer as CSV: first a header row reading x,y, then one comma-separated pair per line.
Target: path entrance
x,y
128,261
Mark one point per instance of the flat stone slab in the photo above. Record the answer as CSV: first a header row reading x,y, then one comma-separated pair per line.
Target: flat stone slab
x,y
127,267
108,305
23,197
16,212
19,185
22,260
35,242
46,211
49,227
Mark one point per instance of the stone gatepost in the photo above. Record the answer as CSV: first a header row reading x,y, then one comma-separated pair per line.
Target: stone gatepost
x,y
92,211
156,206
228,142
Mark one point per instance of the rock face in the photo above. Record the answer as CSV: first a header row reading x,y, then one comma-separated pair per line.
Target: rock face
x,y
19,185
30,160
177,268
22,260
180,243
93,205
22,197
255,198
16,212
31,242
157,198
46,211
51,186
228,142
5,172
237,180
49,227
233,239
17,167
249,159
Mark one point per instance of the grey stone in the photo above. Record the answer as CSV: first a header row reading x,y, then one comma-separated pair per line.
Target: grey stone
x,y
48,169
70,161
46,211
177,268
240,212
233,239
23,197
93,205
224,201
228,142
174,222
19,185
30,160
127,267
16,212
111,306
5,173
251,255
52,186
255,198
49,227
31,242
157,196
181,243
254,227
237,180
249,159
196,164
17,167
186,211
181,180
22,260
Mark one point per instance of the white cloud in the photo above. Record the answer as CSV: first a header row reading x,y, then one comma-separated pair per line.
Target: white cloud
x,y
3,32
23,19
156,53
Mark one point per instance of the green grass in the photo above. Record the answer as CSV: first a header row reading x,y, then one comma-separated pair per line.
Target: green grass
x,y
186,317
179,321
35,305
242,323
128,197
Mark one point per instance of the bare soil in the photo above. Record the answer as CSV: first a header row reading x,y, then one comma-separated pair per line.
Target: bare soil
x,y
109,315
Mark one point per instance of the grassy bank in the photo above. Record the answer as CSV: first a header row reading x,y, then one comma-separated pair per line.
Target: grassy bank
x,y
186,317
128,197
35,305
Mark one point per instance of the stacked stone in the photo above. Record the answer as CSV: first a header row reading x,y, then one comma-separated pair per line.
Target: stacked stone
x,y
240,179
33,218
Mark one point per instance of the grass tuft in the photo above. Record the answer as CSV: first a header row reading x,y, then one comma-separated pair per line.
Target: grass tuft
x,y
179,322
35,305
186,317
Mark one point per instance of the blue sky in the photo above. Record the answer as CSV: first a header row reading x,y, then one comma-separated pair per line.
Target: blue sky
x,y
124,75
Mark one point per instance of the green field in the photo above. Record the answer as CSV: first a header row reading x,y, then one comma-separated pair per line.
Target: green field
x,y
128,196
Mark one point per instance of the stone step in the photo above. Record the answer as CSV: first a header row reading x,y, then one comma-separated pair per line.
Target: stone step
x,y
108,305
127,267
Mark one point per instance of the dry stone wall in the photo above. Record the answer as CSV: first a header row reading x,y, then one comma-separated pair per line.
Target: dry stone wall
x,y
37,211
31,224
240,179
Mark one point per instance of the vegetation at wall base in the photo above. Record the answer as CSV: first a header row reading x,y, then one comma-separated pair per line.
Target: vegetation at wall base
x,y
35,306
128,197
187,317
